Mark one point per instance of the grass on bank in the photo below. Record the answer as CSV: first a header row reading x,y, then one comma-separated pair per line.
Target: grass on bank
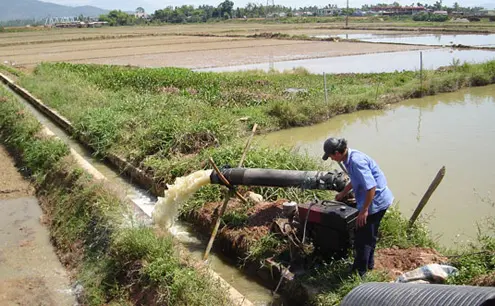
x,y
159,119
117,263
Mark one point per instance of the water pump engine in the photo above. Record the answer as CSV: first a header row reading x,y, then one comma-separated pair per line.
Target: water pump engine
x,y
329,225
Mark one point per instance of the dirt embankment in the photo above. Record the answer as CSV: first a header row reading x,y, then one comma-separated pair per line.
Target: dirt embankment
x,y
30,272
236,240
396,261
12,184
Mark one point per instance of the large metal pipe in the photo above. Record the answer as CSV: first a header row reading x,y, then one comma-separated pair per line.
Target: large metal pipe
x,y
393,294
323,180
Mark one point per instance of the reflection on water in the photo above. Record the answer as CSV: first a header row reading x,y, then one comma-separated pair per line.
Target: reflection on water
x,y
474,40
411,141
371,63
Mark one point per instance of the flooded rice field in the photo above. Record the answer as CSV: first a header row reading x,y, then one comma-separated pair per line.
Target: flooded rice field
x,y
372,63
473,40
411,141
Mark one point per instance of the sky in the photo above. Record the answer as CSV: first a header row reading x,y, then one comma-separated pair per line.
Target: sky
x,y
152,5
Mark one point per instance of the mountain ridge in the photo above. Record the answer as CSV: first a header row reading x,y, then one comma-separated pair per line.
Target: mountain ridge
x,y
34,9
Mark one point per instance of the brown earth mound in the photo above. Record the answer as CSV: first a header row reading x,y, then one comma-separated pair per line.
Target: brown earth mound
x,y
398,261
485,280
260,217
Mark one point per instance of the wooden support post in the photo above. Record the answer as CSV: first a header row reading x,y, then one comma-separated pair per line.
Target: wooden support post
x,y
228,195
434,184
325,86
421,71
248,143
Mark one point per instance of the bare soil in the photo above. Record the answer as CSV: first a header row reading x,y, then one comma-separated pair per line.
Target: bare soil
x,y
170,46
398,261
12,184
237,240
30,273
485,280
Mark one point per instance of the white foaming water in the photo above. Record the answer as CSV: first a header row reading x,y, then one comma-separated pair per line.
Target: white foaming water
x,y
167,208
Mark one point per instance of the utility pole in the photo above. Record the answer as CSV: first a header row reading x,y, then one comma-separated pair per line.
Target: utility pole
x,y
347,15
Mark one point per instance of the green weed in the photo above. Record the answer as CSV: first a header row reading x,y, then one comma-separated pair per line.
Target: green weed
x,y
263,248
394,232
334,280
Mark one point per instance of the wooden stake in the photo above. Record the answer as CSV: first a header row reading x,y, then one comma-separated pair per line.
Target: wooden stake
x,y
421,71
225,181
248,143
228,195
434,184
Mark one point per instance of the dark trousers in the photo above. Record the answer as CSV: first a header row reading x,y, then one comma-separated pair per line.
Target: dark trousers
x,y
365,243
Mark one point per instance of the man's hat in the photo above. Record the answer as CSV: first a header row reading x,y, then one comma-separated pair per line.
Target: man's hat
x,y
330,146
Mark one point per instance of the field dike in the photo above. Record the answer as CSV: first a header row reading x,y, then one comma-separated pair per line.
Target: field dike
x,y
99,235
327,284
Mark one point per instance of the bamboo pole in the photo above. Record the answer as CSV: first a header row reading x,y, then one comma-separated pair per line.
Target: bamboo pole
x,y
248,143
325,86
225,181
343,168
421,71
228,195
434,184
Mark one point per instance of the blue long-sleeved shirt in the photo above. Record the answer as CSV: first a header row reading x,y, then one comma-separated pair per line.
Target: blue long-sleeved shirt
x,y
365,174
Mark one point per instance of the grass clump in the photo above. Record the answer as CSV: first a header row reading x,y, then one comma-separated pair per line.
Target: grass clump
x,y
395,232
334,281
476,260
11,70
264,247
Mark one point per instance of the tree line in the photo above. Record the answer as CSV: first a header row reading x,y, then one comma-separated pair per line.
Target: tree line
x,y
226,10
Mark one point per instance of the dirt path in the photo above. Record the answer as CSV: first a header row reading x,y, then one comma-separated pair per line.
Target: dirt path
x,y
30,272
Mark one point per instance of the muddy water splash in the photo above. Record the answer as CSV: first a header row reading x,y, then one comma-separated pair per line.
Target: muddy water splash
x,y
167,208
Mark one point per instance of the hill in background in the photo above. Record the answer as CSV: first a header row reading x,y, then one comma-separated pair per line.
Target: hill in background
x,y
33,9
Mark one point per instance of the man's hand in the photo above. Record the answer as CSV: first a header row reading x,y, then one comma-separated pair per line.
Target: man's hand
x,y
339,196
361,219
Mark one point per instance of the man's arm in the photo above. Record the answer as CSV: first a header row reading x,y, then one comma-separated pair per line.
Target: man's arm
x,y
344,192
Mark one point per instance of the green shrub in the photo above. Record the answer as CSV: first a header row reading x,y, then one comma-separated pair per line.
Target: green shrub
x,y
430,17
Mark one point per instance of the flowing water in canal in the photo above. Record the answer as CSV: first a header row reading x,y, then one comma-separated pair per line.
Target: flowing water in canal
x,y
194,242
411,141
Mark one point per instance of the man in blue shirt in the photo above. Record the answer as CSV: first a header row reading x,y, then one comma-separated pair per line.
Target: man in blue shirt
x,y
373,197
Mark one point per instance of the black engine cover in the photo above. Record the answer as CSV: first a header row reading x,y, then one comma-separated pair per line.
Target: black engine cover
x,y
330,226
